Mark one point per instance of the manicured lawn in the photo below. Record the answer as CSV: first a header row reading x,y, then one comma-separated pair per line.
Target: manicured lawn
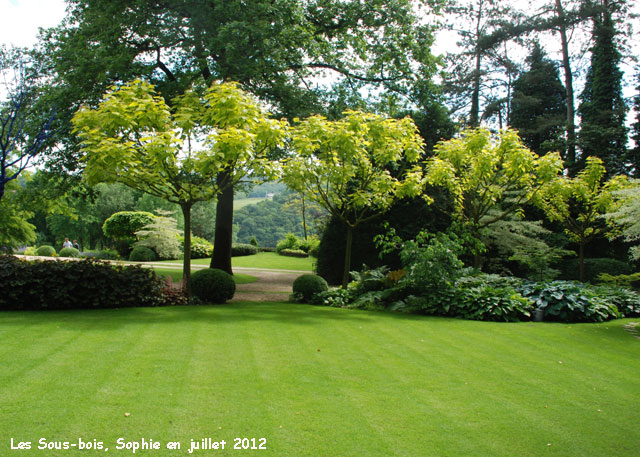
x,y
318,382
265,260
176,275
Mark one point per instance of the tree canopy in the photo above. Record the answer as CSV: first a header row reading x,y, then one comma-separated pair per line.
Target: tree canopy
x,y
355,167
134,138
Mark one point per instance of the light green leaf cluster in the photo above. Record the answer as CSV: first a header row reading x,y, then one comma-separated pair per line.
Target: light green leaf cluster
x,y
626,215
14,228
579,202
134,138
483,171
344,165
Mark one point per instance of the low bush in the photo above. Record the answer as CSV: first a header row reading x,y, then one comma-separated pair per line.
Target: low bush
x,y
200,247
30,250
490,298
240,249
290,241
69,252
44,285
46,251
570,301
142,254
627,301
305,287
212,285
293,253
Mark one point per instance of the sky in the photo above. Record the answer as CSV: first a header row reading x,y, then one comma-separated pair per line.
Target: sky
x,y
20,19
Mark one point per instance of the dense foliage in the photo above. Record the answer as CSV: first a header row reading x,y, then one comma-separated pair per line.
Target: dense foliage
x,y
82,284
69,252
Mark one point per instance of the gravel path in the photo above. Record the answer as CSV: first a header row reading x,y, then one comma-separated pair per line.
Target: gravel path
x,y
271,285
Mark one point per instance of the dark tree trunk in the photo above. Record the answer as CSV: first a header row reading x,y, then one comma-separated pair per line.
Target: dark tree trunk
x,y
347,257
223,237
186,264
581,260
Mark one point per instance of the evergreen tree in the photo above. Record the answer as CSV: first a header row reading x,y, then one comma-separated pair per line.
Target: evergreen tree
x,y
603,132
538,106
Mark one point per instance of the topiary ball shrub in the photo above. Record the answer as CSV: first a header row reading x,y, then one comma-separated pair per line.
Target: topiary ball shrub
x,y
46,251
306,286
142,254
212,285
69,252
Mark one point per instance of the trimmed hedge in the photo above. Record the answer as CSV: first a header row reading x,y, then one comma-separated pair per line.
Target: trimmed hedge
x,y
239,249
49,285
212,285
293,253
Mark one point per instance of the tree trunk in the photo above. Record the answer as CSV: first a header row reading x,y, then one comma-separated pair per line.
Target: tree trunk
x,y
474,115
223,237
347,257
570,158
304,219
581,260
186,264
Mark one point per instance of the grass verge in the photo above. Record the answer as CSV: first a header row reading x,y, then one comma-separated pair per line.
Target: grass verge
x,y
317,381
263,260
176,275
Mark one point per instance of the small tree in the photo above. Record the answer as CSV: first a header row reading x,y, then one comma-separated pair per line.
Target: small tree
x,y
490,178
355,167
134,138
579,203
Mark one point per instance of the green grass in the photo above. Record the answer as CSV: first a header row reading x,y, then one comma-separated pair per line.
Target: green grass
x,y
176,275
264,260
317,382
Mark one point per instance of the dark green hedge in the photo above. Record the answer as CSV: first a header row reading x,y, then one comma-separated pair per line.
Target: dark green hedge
x,y
88,283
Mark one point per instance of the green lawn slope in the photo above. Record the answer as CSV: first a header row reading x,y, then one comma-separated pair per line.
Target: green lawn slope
x,y
317,382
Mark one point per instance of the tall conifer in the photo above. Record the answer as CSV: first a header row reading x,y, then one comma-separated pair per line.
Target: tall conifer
x,y
539,105
603,132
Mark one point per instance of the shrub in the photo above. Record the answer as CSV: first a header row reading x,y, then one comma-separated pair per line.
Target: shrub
x,y
212,285
293,253
69,252
46,251
308,285
490,298
569,301
162,236
240,249
627,301
42,285
253,241
200,247
142,254
124,224
31,250
290,241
